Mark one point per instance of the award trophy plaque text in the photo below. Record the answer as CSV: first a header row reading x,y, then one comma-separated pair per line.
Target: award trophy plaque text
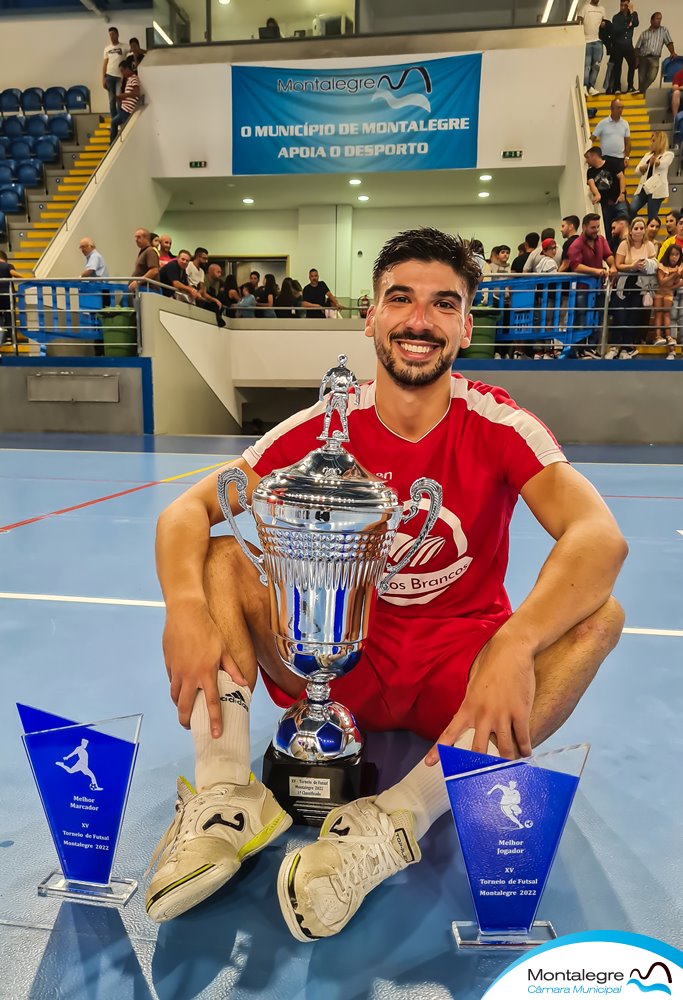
x,y
509,816
325,528
83,775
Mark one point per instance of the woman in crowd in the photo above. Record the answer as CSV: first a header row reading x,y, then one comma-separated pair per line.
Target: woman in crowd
x,y
632,314
231,294
266,296
289,299
669,280
653,174
652,231
246,307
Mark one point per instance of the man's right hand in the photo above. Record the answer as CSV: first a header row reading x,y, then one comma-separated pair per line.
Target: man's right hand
x,y
104,84
194,652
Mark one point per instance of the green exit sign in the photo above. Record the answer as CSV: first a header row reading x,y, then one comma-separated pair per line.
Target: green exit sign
x,y
512,154
200,163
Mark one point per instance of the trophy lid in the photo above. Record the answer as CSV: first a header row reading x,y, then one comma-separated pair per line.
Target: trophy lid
x,y
329,476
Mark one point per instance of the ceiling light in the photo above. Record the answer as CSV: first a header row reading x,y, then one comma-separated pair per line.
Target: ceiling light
x,y
162,34
547,11
224,3
572,11
486,177
355,181
484,194
247,201
363,197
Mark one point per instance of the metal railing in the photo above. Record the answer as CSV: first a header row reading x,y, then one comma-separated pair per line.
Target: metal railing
x,y
514,315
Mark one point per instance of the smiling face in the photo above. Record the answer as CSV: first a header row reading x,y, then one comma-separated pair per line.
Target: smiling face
x,y
419,321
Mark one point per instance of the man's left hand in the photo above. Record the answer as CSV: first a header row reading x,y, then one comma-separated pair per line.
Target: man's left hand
x,y
133,286
498,702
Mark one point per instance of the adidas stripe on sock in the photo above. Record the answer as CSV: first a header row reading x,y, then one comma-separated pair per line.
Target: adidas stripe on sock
x,y
226,759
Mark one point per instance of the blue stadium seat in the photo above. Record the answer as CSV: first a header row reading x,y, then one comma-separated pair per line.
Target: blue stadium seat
x,y
670,67
37,125
54,99
31,173
32,99
10,100
12,198
6,173
22,149
14,126
62,126
78,98
47,149
3,228
4,147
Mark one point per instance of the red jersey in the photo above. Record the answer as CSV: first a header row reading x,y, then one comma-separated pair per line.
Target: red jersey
x,y
481,452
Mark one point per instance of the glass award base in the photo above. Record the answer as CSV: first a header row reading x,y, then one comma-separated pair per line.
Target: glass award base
x,y
116,893
468,935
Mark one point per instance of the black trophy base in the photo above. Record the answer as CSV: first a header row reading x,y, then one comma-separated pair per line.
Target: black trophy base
x,y
309,791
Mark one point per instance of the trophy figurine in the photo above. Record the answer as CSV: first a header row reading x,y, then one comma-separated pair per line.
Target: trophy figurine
x,y
325,528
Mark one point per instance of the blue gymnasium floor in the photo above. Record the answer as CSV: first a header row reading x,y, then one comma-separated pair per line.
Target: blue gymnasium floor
x,y
619,862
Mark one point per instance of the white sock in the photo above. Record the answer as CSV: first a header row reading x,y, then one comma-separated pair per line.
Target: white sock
x,y
423,790
227,759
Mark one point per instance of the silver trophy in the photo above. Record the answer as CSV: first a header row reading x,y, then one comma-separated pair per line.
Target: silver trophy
x,y
325,528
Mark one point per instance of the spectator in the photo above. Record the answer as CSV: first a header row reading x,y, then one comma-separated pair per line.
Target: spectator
x,y
546,263
265,297
669,280
591,251
111,68
274,26
623,25
570,231
147,261
137,53
156,243
477,248
607,187
591,16
631,314
675,93
618,232
649,51
174,275
317,294
246,307
652,231
214,282
128,100
531,241
254,281
165,252
6,318
530,265
653,171
613,135
500,260
671,222
231,294
95,266
196,276
288,302
677,238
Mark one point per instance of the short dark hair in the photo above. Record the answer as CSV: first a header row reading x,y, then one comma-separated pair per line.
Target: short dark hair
x,y
548,233
3,255
184,251
573,220
200,250
532,240
503,247
673,211
131,40
428,245
591,217
521,248
246,285
476,246
112,28
257,273
654,218
594,149
127,63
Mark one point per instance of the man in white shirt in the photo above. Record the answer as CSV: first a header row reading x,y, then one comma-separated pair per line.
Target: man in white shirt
x,y
613,135
114,54
95,266
534,258
546,263
591,16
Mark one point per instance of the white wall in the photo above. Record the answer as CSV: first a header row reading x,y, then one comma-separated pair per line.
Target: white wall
x,y
334,247
62,51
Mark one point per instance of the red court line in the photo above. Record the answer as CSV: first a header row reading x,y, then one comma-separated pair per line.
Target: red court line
x,y
78,506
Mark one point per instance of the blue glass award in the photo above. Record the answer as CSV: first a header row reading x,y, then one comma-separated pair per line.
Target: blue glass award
x,y
509,816
83,775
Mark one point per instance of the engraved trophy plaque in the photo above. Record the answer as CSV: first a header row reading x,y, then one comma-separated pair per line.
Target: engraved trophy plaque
x,y
325,528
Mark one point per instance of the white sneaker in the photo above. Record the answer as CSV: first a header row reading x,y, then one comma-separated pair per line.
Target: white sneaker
x,y
660,342
211,835
321,886
671,356
625,355
592,92
611,354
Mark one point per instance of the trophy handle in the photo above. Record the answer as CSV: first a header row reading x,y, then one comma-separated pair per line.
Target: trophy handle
x,y
435,494
237,477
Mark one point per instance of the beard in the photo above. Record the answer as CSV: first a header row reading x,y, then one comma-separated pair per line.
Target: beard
x,y
406,374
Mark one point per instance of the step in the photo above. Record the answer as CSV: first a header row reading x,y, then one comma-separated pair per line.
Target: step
x,y
34,244
54,215
46,226
24,255
69,198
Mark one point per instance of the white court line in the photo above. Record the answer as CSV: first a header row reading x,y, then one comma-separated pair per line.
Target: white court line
x,y
69,599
